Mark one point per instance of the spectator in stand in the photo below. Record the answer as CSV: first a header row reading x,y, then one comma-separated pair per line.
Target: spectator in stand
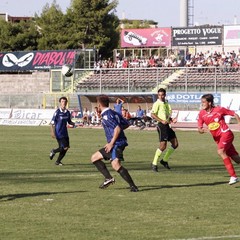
x,y
125,63
86,116
139,112
151,62
126,114
140,116
118,105
95,116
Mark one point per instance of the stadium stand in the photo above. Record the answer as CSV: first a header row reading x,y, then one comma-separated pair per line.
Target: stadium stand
x,y
206,79
141,79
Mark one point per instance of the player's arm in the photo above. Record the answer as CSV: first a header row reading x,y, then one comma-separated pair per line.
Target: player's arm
x,y
116,133
201,129
154,116
237,117
121,100
52,129
70,120
71,123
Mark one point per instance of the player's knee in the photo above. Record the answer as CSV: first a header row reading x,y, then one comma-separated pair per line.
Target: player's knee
x,y
95,157
220,152
175,146
116,164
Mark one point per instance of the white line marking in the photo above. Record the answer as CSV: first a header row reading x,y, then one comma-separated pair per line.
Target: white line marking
x,y
209,238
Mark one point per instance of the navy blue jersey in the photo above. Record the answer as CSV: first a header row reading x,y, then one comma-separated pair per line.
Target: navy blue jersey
x,y
60,120
110,120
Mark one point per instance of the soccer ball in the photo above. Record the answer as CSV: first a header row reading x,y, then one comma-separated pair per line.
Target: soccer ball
x,y
67,70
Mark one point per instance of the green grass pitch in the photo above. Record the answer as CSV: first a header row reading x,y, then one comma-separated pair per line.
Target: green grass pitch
x,y
39,200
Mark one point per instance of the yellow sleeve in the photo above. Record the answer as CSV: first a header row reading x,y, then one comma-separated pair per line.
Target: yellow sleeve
x,y
155,108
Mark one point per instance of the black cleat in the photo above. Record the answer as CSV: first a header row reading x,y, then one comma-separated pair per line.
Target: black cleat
x,y
154,168
52,154
165,164
134,188
59,163
107,182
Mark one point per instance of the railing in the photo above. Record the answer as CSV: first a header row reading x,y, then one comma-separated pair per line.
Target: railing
x,y
197,79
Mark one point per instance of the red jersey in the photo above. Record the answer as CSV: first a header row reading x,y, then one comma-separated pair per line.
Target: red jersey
x,y
215,120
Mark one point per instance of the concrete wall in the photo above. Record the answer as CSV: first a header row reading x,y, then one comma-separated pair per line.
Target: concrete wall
x,y
35,82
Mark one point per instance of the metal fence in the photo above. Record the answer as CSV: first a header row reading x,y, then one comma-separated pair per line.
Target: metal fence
x,y
135,79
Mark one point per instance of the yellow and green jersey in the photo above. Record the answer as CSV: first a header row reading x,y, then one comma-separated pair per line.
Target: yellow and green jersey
x,y
162,110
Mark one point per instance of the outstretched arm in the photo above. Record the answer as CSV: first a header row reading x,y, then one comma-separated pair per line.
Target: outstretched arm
x,y
237,117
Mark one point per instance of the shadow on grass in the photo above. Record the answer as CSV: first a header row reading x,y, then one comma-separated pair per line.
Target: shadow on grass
x,y
10,197
158,187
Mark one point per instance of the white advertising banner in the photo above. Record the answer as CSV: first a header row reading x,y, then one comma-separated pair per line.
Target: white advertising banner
x,y
231,101
5,112
188,116
20,122
32,113
232,35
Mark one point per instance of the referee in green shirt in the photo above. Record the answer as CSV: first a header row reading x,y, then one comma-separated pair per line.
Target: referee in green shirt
x,y
161,112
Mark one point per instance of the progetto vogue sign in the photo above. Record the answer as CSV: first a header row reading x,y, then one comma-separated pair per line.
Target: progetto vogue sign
x,y
195,36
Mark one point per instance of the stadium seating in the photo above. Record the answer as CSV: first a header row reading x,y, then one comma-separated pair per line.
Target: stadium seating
x,y
206,79
124,79
148,79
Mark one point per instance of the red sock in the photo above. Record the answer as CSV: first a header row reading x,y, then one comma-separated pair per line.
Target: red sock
x,y
228,164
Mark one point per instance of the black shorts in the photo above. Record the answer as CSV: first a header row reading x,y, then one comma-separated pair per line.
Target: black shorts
x,y
116,152
63,142
165,132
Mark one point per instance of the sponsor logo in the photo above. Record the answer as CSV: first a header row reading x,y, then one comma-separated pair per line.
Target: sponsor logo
x,y
213,126
10,60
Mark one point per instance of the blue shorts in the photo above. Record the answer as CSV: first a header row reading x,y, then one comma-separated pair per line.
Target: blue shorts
x,y
116,152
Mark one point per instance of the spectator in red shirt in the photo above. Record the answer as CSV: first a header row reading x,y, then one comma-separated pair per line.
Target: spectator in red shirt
x,y
213,117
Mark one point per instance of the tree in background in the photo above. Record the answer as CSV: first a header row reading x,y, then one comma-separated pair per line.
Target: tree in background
x,y
86,24
52,28
93,24
18,36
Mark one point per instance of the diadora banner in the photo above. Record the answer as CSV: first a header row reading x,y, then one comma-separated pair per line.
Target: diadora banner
x,y
146,37
35,60
232,35
195,36
190,98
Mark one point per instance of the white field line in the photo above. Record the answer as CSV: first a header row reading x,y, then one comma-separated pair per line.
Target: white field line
x,y
209,238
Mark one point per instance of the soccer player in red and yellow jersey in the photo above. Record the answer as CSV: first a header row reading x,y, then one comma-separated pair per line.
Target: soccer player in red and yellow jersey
x,y
213,117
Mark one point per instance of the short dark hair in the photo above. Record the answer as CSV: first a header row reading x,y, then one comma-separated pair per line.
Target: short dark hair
x,y
103,100
63,98
209,98
162,90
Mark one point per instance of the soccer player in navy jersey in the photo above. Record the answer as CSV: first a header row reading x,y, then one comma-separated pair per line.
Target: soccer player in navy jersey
x,y
59,122
113,124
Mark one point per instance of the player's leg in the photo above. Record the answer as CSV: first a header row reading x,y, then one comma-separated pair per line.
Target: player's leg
x,y
232,152
161,129
116,165
171,136
117,156
225,150
64,145
96,159
54,151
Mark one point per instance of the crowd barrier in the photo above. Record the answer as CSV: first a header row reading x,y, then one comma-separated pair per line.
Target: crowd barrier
x,y
42,117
